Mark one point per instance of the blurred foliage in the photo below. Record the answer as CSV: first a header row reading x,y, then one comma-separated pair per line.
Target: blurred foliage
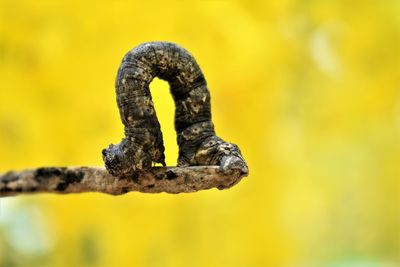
x,y
309,90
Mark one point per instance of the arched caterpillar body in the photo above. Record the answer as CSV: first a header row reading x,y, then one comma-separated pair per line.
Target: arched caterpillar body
x,y
143,142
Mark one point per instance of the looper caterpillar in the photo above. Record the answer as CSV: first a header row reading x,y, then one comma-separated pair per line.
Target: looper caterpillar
x,y
143,142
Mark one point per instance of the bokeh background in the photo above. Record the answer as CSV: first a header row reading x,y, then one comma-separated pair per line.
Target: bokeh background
x,y
309,90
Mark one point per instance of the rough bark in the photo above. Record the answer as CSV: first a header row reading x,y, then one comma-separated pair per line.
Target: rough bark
x,y
65,180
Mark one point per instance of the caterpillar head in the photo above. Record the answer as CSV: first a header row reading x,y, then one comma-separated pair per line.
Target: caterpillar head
x,y
117,161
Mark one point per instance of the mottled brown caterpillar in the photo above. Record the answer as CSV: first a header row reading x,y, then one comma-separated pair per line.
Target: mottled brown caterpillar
x,y
143,142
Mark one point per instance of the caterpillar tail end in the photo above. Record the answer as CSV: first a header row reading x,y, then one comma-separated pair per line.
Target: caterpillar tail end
x,y
215,151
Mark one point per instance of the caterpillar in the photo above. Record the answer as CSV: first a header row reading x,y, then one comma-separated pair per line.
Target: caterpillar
x,y
143,142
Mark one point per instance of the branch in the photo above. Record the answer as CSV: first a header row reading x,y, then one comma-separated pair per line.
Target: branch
x,y
65,180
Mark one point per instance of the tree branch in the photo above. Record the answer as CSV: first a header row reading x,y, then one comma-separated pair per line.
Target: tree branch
x,y
96,179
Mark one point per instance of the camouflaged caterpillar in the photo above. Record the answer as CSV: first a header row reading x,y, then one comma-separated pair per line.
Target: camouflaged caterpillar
x,y
143,142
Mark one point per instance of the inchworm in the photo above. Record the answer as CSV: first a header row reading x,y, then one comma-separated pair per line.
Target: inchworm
x,y
143,142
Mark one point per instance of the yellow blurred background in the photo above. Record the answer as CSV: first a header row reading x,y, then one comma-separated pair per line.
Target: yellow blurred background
x,y
309,90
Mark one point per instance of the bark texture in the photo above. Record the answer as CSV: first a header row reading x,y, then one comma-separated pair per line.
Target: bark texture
x,y
65,180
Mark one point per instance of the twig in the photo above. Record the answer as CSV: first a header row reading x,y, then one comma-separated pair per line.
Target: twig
x,y
96,179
